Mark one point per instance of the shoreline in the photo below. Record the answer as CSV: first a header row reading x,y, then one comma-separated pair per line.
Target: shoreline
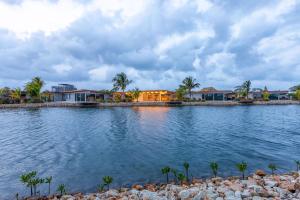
x,y
258,186
141,104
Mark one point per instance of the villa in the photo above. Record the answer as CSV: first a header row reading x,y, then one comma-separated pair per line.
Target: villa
x,y
156,95
69,93
212,94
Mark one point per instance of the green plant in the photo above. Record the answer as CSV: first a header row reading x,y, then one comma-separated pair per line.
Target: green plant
x,y
16,95
62,189
48,180
174,172
135,93
120,82
242,168
297,94
180,92
107,181
166,170
266,94
190,83
27,179
101,188
181,177
297,165
186,167
214,167
33,88
273,168
35,182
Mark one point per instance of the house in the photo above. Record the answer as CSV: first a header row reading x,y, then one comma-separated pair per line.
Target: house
x,y
156,95
58,92
86,96
212,94
279,95
69,93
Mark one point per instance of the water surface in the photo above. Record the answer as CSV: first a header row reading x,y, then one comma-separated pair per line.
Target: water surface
x,y
80,146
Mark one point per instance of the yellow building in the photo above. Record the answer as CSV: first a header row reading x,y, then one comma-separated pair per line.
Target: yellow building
x,y
156,95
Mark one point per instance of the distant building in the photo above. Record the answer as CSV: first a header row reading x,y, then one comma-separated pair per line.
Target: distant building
x,y
157,95
69,93
212,94
274,95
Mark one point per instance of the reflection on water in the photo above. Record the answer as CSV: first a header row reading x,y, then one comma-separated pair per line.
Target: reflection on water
x,y
79,146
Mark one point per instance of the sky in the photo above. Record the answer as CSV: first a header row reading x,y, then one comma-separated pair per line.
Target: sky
x,y
157,43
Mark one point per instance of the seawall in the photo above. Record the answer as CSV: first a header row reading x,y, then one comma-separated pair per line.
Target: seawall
x,y
131,104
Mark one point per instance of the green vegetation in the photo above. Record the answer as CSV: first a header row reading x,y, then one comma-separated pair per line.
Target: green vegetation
x,y
266,94
61,189
166,170
135,93
189,83
242,168
120,82
27,179
297,165
174,172
214,167
273,168
107,181
297,94
48,180
186,167
33,89
244,89
16,95
181,178
180,92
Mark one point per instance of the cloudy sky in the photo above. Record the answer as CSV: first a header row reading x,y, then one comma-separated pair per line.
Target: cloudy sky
x,y
156,42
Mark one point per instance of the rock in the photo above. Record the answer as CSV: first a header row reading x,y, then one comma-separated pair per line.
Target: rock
x,y
260,173
229,194
245,194
184,194
291,188
236,187
195,181
138,187
256,198
147,195
150,187
271,183
297,186
200,196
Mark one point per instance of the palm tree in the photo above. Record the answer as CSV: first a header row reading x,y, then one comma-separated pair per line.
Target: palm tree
x,y
214,167
180,92
166,170
120,82
35,182
25,180
33,88
186,167
272,167
107,180
181,178
242,168
190,83
297,164
135,93
62,189
16,95
48,180
246,87
174,171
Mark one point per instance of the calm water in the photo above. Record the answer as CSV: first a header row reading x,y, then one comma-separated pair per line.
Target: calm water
x,y
79,146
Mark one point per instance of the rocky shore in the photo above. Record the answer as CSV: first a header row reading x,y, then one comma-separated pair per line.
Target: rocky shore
x,y
258,186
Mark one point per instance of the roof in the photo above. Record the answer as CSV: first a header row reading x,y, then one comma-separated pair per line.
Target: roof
x,y
213,92
83,91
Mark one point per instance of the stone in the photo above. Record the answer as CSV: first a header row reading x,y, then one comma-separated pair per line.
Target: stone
x,y
246,194
147,195
150,187
260,173
236,187
138,187
184,194
200,196
271,183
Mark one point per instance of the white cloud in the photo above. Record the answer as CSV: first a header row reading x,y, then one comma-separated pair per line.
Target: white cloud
x,y
33,16
62,68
